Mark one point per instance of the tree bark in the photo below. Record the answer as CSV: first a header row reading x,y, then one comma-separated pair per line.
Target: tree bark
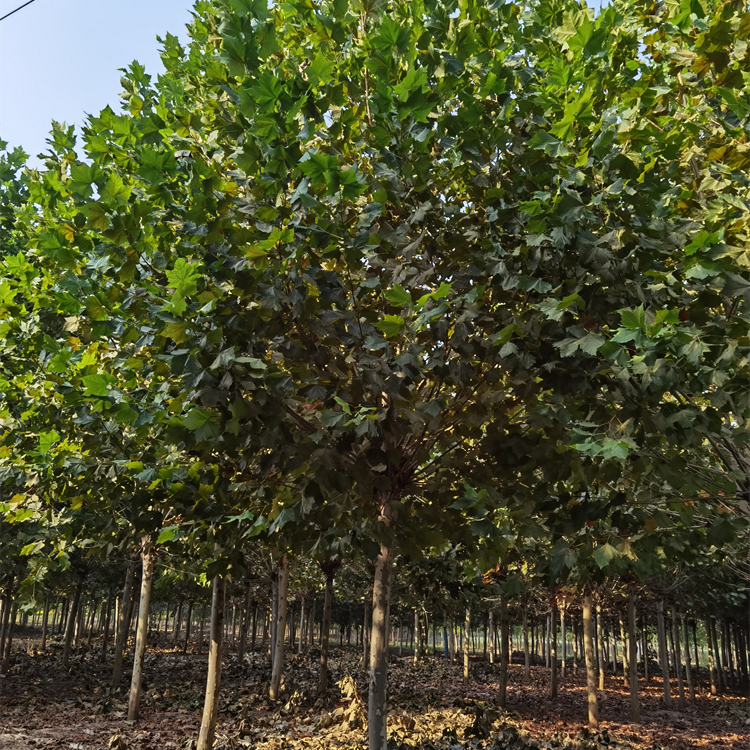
x,y
678,660
600,645
720,677
635,711
213,681
325,633
711,666
688,670
105,632
123,626
588,649
663,658
625,651
141,638
467,630
188,625
244,625
502,692
72,620
45,620
281,610
377,710
526,652
563,644
553,651
367,607
302,626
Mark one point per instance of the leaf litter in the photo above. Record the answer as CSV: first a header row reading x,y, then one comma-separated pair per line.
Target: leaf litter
x,y
42,705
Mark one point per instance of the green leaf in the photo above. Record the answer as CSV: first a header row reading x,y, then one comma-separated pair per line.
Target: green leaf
x,y
47,440
196,418
398,296
634,319
391,325
167,534
604,554
96,385
115,192
183,278
320,70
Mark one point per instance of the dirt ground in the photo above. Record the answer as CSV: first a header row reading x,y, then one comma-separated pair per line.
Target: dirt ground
x,y
42,705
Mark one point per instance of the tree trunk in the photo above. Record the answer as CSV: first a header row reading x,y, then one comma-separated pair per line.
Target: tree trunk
x,y
325,632
688,670
72,620
711,666
246,623
502,692
121,637
255,628
467,630
188,624
678,660
635,711
45,619
576,648
720,677
367,607
377,710
588,649
553,652
141,638
625,651
302,626
281,610
663,658
213,681
10,610
600,645
491,628
563,644
644,641
105,633
526,652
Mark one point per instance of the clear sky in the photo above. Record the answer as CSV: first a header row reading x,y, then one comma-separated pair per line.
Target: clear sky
x,y
59,59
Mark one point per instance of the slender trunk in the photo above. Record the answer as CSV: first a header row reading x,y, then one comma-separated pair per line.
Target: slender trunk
x,y
246,622
491,627
526,652
635,711
367,607
711,665
576,647
678,659
72,621
467,630
644,640
177,623
278,659
377,713
720,678
502,693
325,632
553,652
600,645
188,626
123,626
10,611
695,646
105,633
141,638
625,650
255,628
563,644
213,681
588,649
613,647
663,658
688,670
302,624
45,618
201,627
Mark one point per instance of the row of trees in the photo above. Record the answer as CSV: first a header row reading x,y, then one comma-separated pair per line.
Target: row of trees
x,y
353,280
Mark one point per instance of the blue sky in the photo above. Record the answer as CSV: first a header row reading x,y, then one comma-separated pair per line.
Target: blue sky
x,y
59,59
